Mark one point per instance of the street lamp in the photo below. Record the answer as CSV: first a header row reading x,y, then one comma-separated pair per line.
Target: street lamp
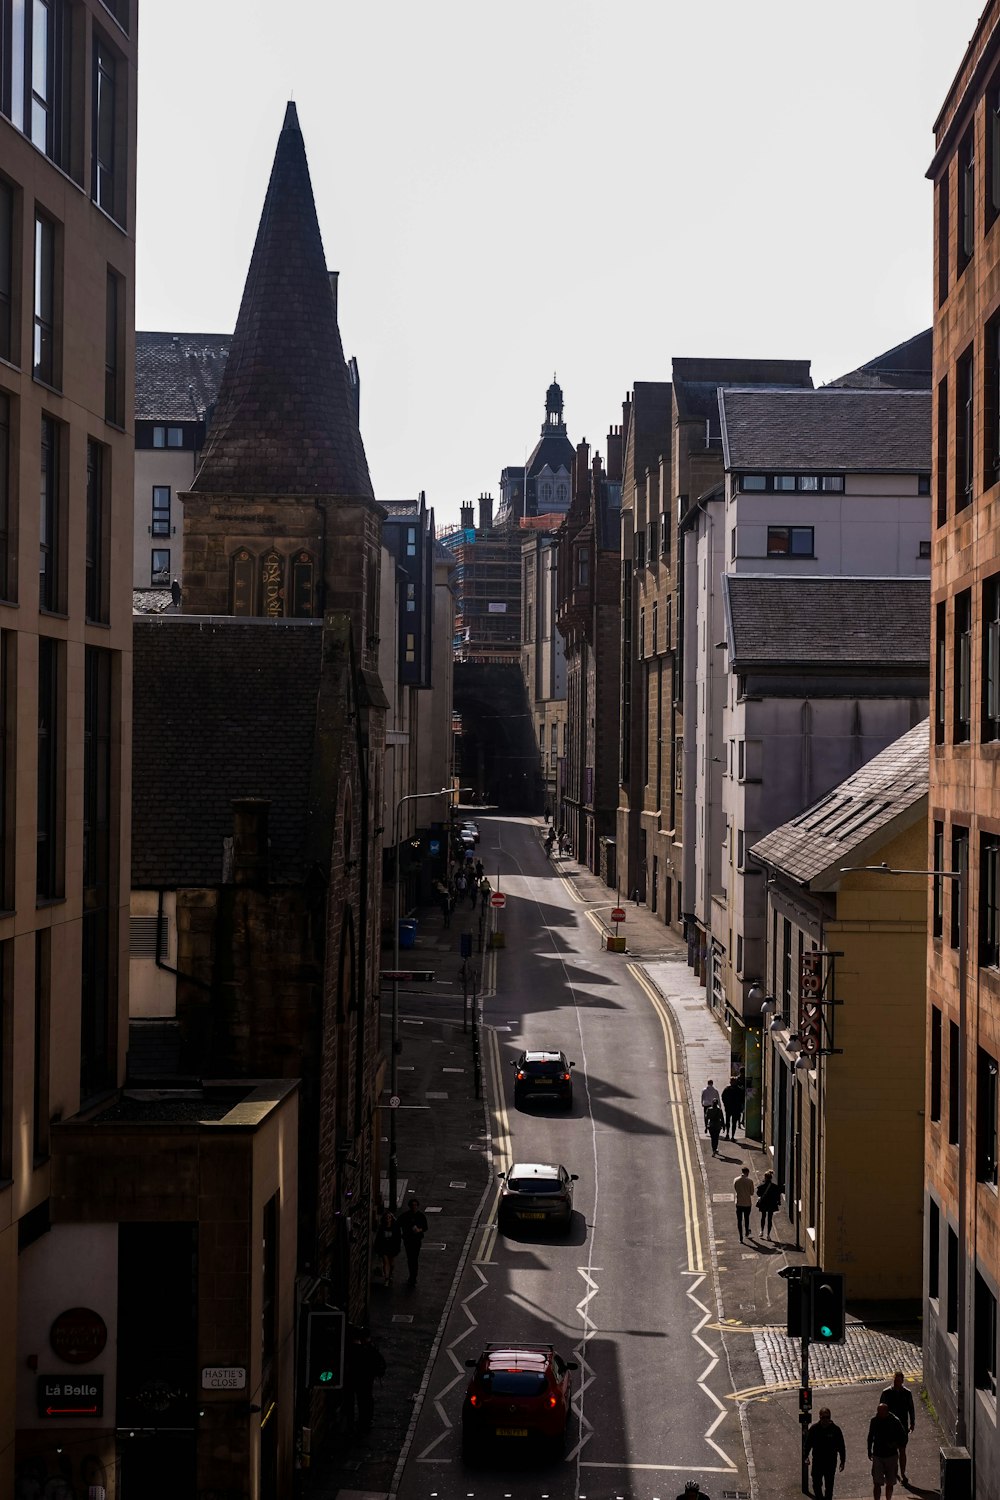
x,y
444,791
961,879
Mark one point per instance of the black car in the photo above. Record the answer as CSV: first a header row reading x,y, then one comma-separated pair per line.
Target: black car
x,y
536,1193
543,1073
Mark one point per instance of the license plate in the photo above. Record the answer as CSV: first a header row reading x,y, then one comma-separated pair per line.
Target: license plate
x,y
525,1214
542,1083
512,1432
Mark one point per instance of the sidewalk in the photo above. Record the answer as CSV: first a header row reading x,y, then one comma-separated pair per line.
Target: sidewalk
x,y
442,1141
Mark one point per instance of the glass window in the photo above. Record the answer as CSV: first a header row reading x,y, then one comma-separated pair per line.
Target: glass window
x,y
943,236
159,437
114,352
991,403
411,541
808,482
959,861
940,671
6,539
942,452
951,1301
175,438
47,883
97,538
833,483
161,510
933,1249
50,527
963,667
936,1035
985,1342
938,883
411,598
924,549
753,482
6,271
42,61
784,481
790,541
989,900
105,130
954,1074
583,566
991,659
923,484
159,572
986,1117
43,362
964,431
966,199
411,649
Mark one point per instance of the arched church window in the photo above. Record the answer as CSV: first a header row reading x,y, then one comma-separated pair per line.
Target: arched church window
x,y
303,579
241,571
272,584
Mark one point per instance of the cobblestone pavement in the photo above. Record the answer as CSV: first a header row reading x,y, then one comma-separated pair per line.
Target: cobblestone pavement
x,y
867,1355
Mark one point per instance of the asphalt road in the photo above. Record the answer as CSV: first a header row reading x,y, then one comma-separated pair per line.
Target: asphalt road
x,y
630,1289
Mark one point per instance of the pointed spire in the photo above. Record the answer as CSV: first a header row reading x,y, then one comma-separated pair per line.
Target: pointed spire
x,y
285,421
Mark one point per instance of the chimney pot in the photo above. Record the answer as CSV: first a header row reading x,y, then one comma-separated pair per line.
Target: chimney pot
x,y
250,840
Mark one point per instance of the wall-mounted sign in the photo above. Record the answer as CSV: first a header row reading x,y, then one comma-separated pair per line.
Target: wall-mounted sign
x,y
497,609
224,1378
69,1397
78,1335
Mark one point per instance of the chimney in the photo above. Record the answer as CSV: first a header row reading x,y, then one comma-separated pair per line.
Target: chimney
x,y
581,465
468,512
486,512
250,840
615,454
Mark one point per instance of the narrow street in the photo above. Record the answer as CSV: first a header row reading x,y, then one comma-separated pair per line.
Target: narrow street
x,y
628,1291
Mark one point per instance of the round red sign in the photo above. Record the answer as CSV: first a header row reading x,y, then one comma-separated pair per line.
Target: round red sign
x,y
498,899
618,914
78,1335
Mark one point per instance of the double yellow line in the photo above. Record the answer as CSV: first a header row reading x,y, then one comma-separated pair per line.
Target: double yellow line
x,y
681,1119
501,1144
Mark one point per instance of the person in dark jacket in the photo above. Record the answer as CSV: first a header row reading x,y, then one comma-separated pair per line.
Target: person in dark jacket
x,y
768,1200
732,1103
900,1402
388,1243
362,1365
716,1120
693,1491
412,1227
886,1435
824,1445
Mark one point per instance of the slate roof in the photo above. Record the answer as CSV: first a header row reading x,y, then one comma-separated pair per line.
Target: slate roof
x,y
821,839
697,382
836,621
834,428
285,421
177,375
222,708
906,367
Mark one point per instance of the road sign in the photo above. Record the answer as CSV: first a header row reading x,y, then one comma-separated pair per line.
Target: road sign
x,y
78,1335
394,1101
618,914
424,975
498,899
224,1378
69,1397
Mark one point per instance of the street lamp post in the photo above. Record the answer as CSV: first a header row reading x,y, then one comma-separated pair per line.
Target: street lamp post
x,y
444,791
961,879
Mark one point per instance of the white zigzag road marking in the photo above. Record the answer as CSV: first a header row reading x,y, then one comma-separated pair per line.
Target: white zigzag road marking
x,y
587,1374
446,1422
703,1377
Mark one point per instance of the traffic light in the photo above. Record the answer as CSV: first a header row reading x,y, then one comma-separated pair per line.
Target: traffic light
x,y
827,1321
793,1311
325,1348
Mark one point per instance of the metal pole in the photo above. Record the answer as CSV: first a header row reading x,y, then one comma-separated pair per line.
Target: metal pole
x,y
393,1056
962,891
805,1283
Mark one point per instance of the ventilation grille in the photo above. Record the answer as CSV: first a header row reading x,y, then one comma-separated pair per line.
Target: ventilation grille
x,y
142,936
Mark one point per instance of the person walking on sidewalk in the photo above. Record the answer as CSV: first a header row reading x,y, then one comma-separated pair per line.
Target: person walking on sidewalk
x,y
824,1445
768,1200
900,1402
732,1102
412,1227
886,1436
716,1119
743,1193
362,1364
388,1242
709,1096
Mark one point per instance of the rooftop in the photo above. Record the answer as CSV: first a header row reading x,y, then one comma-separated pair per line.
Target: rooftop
x,y
840,622
835,428
177,375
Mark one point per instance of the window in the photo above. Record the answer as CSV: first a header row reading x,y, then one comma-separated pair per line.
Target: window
x,y
42,1030
652,542
97,532
97,1004
940,672
991,403
933,1249
739,855
642,634
664,532
50,519
937,886
733,544
964,431
640,549
741,760
786,968
7,350
106,175
583,568
656,627
986,1117
954,1081
411,650
678,764
47,873
992,154
739,953
6,1059
47,76
44,352
411,598
985,1339
114,351
935,1080
753,482
959,861
411,541
962,705
943,236
966,199
168,437
951,1307
790,541
784,481
942,452
6,521
161,510
808,482
923,484
991,659
7,752
924,549
989,916
833,483
159,571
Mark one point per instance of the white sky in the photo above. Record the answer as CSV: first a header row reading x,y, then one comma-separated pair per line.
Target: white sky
x,y
582,186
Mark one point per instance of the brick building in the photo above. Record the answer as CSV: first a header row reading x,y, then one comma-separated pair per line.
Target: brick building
x,y
962,1216
589,619
543,659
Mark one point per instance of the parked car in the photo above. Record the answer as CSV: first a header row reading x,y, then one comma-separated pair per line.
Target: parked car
x,y
536,1193
543,1073
466,840
518,1397
472,828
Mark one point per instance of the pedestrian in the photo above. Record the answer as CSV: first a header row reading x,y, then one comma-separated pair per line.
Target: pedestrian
x,y
564,843
886,1436
362,1364
693,1491
716,1120
473,886
900,1402
825,1444
548,814
387,1243
731,1101
740,1081
444,901
485,890
768,1199
460,885
480,870
709,1096
412,1227
550,839
743,1193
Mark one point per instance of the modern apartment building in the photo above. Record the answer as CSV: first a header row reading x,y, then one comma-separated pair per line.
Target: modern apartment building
x,y
67,222
962,1210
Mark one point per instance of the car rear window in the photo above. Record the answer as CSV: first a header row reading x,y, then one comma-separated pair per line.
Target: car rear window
x,y
543,1069
535,1184
517,1382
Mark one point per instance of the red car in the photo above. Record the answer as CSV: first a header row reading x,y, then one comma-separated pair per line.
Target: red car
x,y
519,1395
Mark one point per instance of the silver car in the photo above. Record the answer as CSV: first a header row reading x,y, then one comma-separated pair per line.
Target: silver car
x,y
535,1193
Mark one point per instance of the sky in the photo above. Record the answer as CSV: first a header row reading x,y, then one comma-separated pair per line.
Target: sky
x,y
586,188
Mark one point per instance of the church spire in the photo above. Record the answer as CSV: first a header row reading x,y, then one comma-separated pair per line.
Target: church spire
x,y
285,421
554,426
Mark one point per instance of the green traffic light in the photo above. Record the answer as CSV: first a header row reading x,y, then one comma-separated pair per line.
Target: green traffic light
x,y
325,1375
826,1331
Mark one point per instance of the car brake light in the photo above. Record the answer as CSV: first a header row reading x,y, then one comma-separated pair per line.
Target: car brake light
x,y
553,1401
566,1077
473,1399
520,1076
